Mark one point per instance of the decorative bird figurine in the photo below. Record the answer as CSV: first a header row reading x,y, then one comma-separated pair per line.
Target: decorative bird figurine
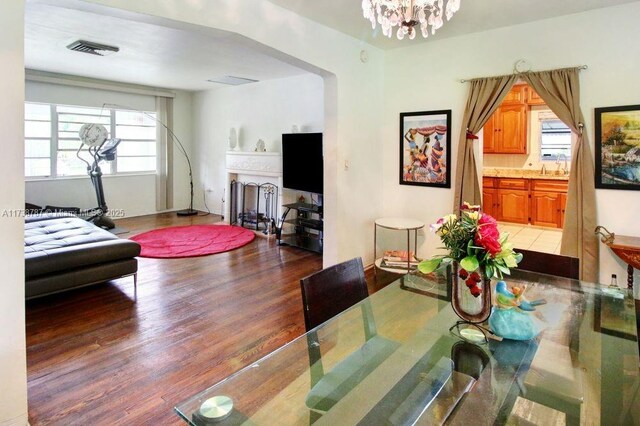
x,y
514,298
505,298
510,318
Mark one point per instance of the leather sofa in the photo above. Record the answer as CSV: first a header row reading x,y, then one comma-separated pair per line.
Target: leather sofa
x,y
63,252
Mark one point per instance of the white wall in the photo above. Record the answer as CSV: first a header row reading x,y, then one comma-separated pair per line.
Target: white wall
x,y
604,39
13,367
78,192
263,110
353,99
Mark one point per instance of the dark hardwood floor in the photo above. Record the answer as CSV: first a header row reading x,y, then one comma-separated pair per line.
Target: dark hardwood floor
x,y
97,356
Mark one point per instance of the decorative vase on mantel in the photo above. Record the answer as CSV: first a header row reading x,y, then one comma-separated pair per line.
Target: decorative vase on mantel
x,y
469,307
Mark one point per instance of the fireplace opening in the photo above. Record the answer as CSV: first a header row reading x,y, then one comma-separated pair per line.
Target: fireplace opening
x,y
254,206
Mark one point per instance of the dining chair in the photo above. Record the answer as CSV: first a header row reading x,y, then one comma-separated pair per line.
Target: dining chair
x,y
552,380
325,294
547,263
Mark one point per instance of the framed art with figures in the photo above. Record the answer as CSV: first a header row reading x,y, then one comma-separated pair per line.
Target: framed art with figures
x,y
617,143
425,148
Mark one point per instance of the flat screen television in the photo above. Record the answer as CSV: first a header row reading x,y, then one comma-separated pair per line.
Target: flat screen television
x,y
302,162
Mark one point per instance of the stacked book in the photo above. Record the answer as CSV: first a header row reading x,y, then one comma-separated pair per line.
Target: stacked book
x,y
398,259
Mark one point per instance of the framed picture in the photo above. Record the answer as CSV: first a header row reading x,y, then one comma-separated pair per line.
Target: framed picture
x,y
618,147
425,148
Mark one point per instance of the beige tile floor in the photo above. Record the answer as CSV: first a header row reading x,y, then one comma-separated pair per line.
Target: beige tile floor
x,y
527,237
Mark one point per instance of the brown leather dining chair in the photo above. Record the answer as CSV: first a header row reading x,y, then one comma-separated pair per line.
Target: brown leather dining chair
x,y
325,294
547,263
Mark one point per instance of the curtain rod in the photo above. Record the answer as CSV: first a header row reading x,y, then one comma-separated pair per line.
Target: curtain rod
x,y
580,67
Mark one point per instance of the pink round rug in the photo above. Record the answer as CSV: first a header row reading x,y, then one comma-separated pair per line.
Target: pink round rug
x,y
191,241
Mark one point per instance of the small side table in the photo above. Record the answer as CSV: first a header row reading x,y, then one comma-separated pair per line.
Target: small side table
x,y
397,224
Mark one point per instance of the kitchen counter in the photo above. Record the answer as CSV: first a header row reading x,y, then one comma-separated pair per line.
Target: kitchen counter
x,y
524,173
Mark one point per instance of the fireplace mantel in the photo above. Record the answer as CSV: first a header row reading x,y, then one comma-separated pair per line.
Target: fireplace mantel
x,y
254,163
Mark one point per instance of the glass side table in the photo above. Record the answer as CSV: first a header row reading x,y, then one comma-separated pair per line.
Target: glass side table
x,y
397,224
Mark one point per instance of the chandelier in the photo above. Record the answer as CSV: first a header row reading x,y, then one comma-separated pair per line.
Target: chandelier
x,y
408,14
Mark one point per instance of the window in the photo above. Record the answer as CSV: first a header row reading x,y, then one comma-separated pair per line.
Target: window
x,y
51,140
37,140
555,138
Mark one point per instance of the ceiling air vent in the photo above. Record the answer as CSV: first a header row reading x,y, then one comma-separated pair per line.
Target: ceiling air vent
x,y
231,80
92,48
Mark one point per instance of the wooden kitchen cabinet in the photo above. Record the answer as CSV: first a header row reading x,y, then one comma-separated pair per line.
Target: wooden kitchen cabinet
x,y
545,209
488,137
563,206
512,130
516,95
513,205
489,195
539,202
506,130
490,201
506,199
548,200
532,97
513,200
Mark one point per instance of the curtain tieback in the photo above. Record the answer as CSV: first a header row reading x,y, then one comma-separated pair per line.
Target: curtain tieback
x,y
471,135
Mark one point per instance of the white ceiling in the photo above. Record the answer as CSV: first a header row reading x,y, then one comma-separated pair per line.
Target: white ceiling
x,y
160,56
149,54
474,16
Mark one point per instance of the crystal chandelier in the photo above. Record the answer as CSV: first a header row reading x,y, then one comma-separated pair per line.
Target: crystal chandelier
x,y
408,14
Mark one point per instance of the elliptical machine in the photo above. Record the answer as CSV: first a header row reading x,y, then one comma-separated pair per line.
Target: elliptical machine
x,y
94,136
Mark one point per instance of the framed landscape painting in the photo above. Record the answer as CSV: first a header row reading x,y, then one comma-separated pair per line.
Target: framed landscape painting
x,y
618,147
425,148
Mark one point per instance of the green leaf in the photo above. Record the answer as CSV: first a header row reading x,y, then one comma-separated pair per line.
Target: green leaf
x,y
429,265
503,269
510,261
503,238
489,271
518,257
470,263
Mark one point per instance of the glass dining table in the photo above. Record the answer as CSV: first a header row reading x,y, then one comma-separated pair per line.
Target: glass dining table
x,y
393,360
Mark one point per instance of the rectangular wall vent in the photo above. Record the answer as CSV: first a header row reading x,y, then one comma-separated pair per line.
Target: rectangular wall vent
x,y
92,48
231,80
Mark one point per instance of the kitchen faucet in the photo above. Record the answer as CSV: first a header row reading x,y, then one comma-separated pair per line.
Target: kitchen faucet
x,y
564,169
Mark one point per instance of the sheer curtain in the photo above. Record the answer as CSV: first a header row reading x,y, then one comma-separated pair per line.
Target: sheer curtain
x,y
485,95
560,89
164,154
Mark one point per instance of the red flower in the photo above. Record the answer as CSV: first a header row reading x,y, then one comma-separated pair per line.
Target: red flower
x,y
488,236
476,291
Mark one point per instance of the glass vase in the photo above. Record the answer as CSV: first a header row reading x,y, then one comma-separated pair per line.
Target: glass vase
x,y
469,307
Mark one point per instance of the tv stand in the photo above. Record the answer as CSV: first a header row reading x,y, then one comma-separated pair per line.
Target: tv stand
x,y
307,218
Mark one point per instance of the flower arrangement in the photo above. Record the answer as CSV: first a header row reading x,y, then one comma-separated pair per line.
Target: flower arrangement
x,y
473,240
